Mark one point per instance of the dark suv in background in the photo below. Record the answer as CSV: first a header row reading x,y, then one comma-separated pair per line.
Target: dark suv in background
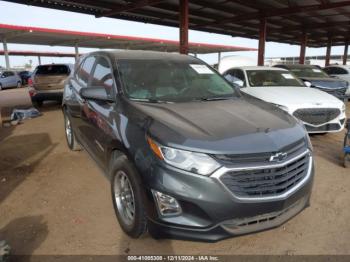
x,y
187,155
315,77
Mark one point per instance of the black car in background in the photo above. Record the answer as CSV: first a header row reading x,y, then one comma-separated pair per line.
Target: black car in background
x,y
187,155
25,75
315,77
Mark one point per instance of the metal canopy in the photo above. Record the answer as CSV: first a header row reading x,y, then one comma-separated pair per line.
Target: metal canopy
x,y
37,53
54,37
286,20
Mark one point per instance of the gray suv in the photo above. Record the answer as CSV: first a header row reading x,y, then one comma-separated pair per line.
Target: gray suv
x,y
188,155
9,79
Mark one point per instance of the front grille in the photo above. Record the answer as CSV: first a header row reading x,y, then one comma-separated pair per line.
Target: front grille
x,y
324,128
267,181
317,116
261,158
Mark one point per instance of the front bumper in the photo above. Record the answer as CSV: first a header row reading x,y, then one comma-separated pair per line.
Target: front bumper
x,y
211,213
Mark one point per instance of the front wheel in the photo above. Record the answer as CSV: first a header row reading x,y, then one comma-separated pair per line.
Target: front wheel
x,y
128,195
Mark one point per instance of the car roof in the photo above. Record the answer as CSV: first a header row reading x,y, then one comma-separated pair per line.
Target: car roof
x,y
295,66
260,68
140,54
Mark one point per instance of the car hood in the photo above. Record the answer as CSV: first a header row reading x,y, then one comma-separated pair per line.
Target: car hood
x,y
294,96
235,126
329,83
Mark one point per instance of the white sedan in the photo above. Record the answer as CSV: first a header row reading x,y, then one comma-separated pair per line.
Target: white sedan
x,y
319,111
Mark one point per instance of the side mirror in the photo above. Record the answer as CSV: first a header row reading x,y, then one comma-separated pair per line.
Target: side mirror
x,y
238,83
96,93
307,83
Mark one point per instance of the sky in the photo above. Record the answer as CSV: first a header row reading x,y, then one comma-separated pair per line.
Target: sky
x,y
16,14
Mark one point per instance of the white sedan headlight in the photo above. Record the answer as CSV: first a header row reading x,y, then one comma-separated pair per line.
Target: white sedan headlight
x,y
194,162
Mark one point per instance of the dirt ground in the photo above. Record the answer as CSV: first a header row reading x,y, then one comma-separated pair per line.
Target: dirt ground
x,y
54,201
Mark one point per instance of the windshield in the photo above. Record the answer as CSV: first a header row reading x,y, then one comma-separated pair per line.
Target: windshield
x,y
272,78
309,72
172,80
52,70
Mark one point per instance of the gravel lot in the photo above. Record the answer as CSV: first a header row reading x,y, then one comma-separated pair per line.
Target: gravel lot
x,y
53,201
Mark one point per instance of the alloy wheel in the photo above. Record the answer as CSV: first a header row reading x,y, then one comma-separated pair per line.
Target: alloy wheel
x,y
124,198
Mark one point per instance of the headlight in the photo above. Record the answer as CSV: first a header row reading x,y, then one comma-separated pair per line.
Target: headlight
x,y
198,163
308,141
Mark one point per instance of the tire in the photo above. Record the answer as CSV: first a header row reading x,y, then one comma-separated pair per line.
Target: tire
x,y
39,103
19,84
70,137
0,87
128,200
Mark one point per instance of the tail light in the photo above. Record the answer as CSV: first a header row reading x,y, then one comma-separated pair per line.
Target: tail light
x,y
32,92
30,82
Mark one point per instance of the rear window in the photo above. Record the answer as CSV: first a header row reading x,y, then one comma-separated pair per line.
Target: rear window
x,y
52,70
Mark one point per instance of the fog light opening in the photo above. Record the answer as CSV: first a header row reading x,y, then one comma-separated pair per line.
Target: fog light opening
x,y
167,205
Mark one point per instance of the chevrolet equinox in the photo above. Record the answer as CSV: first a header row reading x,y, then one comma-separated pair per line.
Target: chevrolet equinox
x,y
188,155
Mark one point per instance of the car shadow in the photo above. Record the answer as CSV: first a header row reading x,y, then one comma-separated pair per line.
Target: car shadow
x,y
24,235
19,156
329,147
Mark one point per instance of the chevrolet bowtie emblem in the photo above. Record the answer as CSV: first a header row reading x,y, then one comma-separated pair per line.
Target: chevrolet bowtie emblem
x,y
278,157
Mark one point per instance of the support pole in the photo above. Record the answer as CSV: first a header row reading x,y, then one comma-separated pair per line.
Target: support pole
x,y
39,59
303,48
345,56
219,57
328,52
6,53
262,40
183,27
76,49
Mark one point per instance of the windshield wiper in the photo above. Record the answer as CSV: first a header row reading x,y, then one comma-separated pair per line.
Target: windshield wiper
x,y
149,100
215,98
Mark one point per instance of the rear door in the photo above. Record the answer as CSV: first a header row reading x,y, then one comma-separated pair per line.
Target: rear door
x,y
50,77
99,115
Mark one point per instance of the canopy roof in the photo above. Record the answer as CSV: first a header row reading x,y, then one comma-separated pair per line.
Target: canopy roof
x,y
287,19
37,53
56,37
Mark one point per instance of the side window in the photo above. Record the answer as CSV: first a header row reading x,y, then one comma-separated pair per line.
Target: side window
x,y
240,75
103,76
84,71
340,71
10,73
